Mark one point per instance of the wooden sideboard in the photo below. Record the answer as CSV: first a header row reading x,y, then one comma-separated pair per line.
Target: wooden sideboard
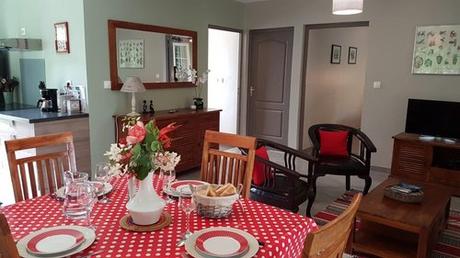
x,y
435,161
187,140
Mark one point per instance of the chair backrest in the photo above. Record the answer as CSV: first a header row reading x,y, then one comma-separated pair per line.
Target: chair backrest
x,y
47,167
220,167
7,246
331,240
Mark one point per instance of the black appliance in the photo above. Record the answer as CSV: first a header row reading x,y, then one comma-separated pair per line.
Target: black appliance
x,y
48,102
433,118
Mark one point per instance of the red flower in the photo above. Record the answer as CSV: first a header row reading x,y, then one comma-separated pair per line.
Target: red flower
x,y
163,136
122,141
136,133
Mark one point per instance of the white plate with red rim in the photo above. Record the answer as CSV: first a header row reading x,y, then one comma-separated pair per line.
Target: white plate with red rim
x,y
221,242
183,186
60,241
55,241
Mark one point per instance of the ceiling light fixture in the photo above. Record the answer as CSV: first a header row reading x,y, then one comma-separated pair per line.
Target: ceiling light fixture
x,y
347,7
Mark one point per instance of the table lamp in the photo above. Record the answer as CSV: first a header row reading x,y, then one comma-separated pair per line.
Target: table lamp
x,y
133,85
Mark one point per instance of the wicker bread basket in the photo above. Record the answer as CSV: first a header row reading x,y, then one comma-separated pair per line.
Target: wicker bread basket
x,y
213,207
414,197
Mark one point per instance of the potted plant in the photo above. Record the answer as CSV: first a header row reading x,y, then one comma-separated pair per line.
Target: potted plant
x,y
199,81
7,87
135,156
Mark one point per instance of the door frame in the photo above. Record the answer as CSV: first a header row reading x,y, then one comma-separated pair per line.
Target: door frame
x,y
249,69
307,29
240,64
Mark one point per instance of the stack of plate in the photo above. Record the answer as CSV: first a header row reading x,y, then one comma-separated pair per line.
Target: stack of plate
x,y
182,186
58,241
221,242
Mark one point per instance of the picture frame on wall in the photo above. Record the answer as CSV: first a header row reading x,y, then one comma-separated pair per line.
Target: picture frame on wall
x,y
336,54
437,50
352,55
62,37
131,53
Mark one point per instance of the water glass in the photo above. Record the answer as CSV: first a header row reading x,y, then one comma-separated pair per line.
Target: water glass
x,y
167,177
187,205
102,175
79,201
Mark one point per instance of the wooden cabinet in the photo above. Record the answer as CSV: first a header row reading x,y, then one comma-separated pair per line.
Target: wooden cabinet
x,y
436,161
187,140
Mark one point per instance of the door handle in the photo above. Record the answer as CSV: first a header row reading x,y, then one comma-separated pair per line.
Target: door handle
x,y
251,90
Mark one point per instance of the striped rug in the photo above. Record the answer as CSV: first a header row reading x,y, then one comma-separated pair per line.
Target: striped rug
x,y
448,245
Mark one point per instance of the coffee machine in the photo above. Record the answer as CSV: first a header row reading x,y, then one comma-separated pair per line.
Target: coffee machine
x,y
48,102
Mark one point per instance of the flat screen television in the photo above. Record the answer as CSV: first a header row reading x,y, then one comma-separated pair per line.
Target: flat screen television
x,y
433,118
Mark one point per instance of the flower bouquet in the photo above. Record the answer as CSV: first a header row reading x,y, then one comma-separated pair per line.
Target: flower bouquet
x,y
137,155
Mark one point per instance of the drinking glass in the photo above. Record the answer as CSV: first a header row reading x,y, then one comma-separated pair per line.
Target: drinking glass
x,y
102,175
79,201
187,205
74,176
168,177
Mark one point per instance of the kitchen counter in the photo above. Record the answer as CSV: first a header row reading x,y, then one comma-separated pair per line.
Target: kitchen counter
x,y
15,106
34,115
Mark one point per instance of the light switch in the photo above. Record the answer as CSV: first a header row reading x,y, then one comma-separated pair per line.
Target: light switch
x,y
377,85
107,84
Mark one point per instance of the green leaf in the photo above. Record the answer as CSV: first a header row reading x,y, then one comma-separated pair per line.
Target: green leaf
x,y
155,146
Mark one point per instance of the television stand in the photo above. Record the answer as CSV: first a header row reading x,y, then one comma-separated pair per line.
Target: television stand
x,y
435,161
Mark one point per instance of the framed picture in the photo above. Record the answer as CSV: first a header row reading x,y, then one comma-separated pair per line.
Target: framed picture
x,y
437,50
352,55
62,37
336,53
131,53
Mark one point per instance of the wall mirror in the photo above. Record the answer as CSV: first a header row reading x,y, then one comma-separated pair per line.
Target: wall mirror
x,y
161,57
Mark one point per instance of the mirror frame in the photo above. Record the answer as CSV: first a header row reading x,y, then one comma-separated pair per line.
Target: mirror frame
x,y
113,25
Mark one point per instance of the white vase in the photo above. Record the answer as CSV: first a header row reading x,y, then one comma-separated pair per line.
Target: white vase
x,y
146,206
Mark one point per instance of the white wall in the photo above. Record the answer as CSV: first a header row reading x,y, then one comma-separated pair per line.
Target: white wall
x,y
391,38
334,92
224,63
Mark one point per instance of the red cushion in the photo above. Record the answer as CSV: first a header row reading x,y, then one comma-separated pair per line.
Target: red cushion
x,y
333,143
258,174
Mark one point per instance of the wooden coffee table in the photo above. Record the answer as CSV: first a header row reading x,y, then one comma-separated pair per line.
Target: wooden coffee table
x,y
390,228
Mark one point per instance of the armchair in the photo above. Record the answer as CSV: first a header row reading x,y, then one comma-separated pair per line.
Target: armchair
x,y
356,164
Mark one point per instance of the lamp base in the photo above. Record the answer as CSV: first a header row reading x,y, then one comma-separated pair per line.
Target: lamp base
x,y
133,114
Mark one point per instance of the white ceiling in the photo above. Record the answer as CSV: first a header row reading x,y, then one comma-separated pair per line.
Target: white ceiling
x,y
250,1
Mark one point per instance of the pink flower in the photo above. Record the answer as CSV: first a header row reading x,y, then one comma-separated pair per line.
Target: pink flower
x,y
136,133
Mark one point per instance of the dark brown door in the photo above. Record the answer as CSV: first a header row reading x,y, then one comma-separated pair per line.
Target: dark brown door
x,y
270,55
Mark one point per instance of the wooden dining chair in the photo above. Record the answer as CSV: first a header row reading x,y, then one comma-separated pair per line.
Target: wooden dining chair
x,y
220,167
47,163
7,245
331,240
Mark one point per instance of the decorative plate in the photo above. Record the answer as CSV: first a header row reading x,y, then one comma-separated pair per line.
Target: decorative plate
x,y
179,185
55,241
221,243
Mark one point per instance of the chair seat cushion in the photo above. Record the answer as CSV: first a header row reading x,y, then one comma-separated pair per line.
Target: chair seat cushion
x,y
258,174
340,165
278,196
333,143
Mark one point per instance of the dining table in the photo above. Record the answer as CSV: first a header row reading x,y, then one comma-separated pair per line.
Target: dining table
x,y
280,233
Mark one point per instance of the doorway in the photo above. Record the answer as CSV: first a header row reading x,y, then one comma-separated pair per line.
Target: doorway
x,y
334,74
224,63
269,81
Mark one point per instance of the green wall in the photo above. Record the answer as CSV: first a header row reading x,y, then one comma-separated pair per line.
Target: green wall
x,y
38,18
186,14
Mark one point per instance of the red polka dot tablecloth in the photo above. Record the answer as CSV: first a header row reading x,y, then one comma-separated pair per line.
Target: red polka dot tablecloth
x,y
283,233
